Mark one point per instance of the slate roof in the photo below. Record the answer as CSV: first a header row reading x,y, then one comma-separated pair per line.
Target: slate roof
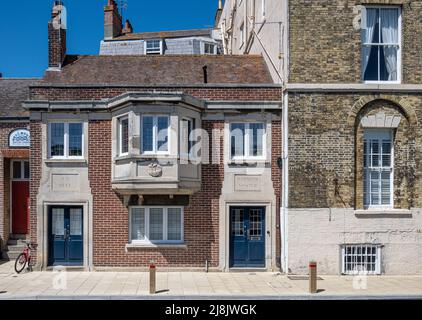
x,y
169,70
12,93
164,34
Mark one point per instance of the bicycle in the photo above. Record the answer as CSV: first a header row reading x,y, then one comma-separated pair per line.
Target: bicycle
x,y
24,258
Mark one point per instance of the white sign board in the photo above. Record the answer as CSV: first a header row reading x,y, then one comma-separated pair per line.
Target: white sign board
x,y
19,138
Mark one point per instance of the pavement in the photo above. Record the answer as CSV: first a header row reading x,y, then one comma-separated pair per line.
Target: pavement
x,y
198,285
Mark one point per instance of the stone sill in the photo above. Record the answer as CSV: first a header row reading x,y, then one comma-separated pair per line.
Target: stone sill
x,y
156,246
383,212
81,161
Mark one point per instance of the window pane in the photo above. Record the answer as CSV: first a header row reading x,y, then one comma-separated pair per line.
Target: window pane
x,y
237,137
156,224
75,139
256,139
26,169
174,224
57,223
163,134
138,224
76,222
17,173
124,135
57,139
147,134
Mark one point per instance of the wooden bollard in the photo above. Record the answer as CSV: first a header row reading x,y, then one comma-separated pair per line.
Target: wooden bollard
x,y
313,277
152,278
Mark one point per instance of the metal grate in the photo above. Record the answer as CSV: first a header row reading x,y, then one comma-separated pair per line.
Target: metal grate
x,y
361,259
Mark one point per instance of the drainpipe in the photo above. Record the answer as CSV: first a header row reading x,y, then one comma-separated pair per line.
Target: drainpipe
x,y
285,186
284,210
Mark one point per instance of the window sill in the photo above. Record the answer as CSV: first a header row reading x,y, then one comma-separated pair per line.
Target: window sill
x,y
247,162
383,212
84,161
156,246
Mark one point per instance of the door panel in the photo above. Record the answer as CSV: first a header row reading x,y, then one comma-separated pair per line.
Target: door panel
x,y
247,239
66,236
20,214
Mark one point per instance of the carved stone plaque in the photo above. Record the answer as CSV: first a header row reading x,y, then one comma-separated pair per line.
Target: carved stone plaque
x,y
65,182
247,183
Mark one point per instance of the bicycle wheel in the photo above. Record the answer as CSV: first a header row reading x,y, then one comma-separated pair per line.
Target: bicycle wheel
x,y
20,263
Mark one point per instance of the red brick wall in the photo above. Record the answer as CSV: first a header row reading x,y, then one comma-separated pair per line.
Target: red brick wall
x,y
110,217
96,93
34,184
276,176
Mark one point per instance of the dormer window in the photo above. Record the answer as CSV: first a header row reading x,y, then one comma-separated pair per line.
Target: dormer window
x,y
209,48
154,47
381,28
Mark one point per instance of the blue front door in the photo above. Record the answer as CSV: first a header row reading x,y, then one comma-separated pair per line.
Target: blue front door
x,y
247,237
65,236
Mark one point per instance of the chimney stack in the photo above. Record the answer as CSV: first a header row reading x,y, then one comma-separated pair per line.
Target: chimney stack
x,y
112,20
218,13
128,28
57,36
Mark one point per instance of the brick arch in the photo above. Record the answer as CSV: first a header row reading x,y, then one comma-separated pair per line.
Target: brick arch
x,y
402,103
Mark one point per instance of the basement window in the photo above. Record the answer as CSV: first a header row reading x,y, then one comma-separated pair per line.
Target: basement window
x,y
361,259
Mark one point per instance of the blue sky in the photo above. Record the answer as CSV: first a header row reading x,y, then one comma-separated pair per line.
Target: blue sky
x,y
23,27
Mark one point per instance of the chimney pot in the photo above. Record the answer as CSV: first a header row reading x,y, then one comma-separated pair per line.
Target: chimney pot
x,y
128,28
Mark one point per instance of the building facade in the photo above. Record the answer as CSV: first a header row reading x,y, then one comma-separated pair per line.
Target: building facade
x,y
171,159
122,40
351,134
14,165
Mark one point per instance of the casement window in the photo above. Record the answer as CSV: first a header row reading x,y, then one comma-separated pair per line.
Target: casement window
x,y
186,137
123,135
154,47
361,259
378,169
156,225
209,48
381,44
247,141
65,140
155,132
20,170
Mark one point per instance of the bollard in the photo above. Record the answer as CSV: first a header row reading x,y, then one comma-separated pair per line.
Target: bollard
x,y
152,278
312,277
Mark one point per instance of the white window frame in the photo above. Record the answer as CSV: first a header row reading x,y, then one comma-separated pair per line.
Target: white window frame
x,y
66,140
146,241
399,50
377,134
204,43
22,175
153,52
155,134
377,270
119,121
246,141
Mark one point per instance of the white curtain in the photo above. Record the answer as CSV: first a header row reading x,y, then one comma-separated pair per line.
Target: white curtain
x,y
390,35
368,28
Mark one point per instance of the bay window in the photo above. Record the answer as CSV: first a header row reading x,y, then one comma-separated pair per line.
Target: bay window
x,y
381,38
156,225
247,141
378,169
65,140
155,134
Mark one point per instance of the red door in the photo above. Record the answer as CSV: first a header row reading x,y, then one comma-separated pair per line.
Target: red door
x,y
20,197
